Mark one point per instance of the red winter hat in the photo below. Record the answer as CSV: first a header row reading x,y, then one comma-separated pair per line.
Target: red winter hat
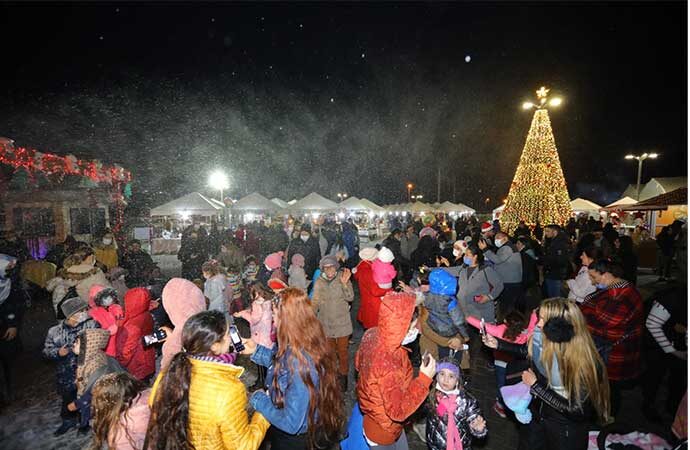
x,y
486,227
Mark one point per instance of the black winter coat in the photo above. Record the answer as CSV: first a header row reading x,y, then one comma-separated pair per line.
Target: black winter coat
x,y
466,411
557,258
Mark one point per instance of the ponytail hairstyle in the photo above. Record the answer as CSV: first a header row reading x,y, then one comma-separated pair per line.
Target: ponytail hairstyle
x,y
113,395
170,411
300,347
212,266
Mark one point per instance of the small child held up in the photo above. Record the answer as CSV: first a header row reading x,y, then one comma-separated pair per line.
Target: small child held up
x,y
215,285
383,270
454,416
120,412
296,275
235,290
260,318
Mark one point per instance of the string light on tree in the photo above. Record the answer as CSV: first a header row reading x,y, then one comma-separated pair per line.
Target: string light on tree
x,y
538,191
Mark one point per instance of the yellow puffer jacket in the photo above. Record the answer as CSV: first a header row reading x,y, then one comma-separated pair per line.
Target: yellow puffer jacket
x,y
218,416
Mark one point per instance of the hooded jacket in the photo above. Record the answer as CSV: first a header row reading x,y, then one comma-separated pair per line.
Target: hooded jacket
x,y
370,294
443,318
181,300
92,362
108,318
138,360
218,408
331,301
383,273
386,390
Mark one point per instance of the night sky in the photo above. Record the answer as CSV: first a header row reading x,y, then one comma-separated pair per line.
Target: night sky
x,y
361,98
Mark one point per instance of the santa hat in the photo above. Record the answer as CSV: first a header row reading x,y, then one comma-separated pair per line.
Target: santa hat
x,y
486,227
386,255
368,254
274,260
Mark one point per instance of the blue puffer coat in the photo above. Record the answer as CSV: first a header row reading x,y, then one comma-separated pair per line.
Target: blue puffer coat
x,y
442,283
443,318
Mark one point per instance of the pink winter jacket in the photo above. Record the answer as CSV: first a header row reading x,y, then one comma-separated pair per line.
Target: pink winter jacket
x,y
181,300
383,273
498,330
260,320
133,424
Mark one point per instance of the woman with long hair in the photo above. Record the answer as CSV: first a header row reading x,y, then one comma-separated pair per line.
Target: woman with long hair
x,y
199,400
120,412
303,403
567,378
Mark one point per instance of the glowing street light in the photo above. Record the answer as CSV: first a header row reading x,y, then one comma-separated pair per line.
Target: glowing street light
x,y
409,192
218,180
342,196
640,159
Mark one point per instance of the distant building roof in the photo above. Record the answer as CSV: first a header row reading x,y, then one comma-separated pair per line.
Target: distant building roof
x,y
658,186
660,202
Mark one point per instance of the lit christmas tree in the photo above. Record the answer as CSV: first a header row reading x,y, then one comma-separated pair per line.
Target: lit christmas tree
x,y
538,191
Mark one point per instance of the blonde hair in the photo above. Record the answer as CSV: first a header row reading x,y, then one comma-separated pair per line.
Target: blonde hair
x,y
582,371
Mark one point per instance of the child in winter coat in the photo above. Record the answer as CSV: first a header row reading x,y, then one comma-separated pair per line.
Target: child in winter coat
x,y
120,412
234,291
383,270
297,276
251,270
116,276
105,310
444,319
92,364
138,360
260,318
454,416
58,348
215,285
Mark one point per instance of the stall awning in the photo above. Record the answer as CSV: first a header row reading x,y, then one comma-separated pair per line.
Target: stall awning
x,y
660,202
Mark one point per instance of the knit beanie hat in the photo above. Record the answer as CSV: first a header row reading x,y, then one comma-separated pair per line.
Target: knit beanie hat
x,y
327,261
274,260
368,254
72,306
383,274
386,255
486,227
297,260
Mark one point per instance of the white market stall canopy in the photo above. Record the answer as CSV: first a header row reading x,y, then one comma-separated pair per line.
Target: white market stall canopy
x,y
620,202
292,202
419,207
658,186
314,202
450,207
372,206
255,202
353,204
279,202
580,205
193,204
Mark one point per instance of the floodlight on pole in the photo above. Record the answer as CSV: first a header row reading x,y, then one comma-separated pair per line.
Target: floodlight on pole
x,y
640,159
543,100
218,180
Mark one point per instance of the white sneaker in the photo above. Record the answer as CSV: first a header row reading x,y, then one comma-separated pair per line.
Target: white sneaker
x,y
420,429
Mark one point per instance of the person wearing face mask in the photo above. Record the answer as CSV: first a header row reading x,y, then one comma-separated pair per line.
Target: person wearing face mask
x,y
85,273
307,246
507,262
106,251
615,317
58,347
104,309
332,297
478,286
387,391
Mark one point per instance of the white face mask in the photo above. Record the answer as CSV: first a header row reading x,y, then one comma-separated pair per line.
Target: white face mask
x,y
498,243
456,252
107,241
304,238
410,336
107,301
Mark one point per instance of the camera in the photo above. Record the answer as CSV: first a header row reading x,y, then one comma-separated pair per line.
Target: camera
x,y
157,336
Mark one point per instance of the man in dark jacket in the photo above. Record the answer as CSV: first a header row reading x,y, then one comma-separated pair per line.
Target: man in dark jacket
x,y
138,264
556,260
307,246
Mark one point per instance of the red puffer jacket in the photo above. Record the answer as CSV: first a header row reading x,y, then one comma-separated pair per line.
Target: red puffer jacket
x,y
139,361
370,294
386,390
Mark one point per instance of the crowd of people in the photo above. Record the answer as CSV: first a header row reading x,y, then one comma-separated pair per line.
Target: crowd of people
x,y
145,362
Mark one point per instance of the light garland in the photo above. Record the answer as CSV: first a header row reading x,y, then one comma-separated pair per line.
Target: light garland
x,y
538,191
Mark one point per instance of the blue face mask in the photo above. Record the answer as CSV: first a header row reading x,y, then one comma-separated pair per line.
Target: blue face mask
x,y
602,286
467,260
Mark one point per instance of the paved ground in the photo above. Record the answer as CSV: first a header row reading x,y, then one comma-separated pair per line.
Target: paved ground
x,y
28,423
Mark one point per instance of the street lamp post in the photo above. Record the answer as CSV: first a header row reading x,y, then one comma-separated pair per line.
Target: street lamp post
x,y
640,159
409,192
